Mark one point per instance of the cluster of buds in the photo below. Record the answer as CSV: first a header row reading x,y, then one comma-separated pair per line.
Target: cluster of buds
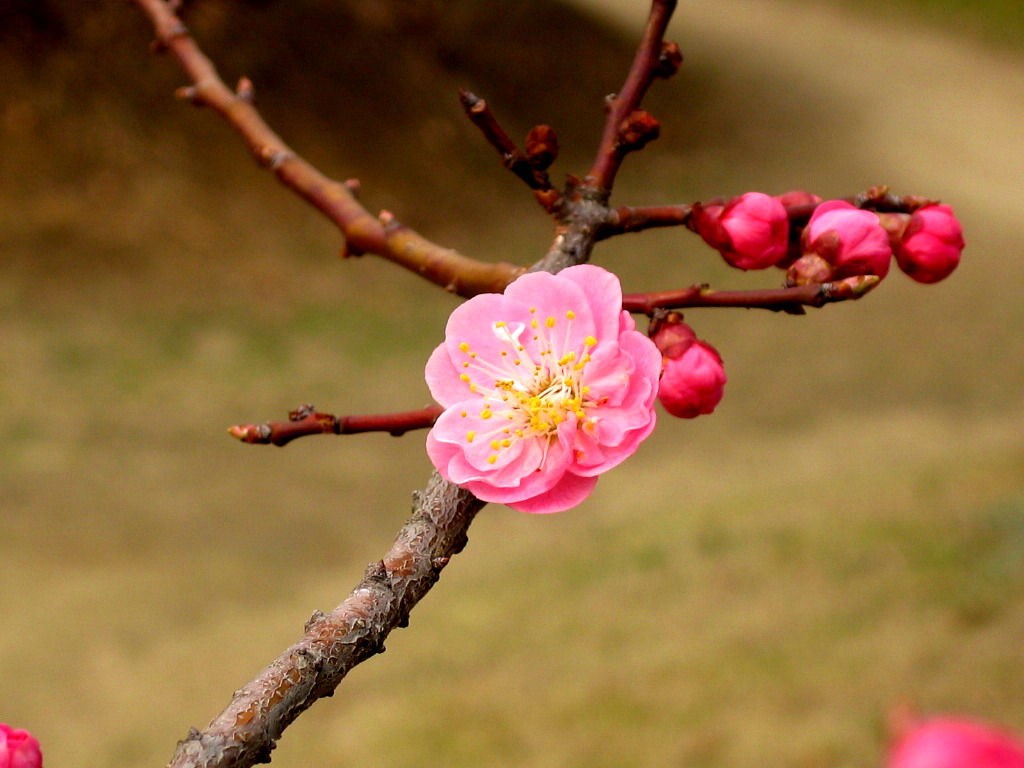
x,y
692,375
753,231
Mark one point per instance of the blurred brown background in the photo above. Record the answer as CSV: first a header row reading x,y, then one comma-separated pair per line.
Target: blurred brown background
x,y
756,587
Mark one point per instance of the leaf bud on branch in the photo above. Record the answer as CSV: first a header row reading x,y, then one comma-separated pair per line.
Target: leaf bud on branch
x,y
541,146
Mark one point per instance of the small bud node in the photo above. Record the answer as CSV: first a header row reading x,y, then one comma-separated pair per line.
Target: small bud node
x,y
670,59
541,147
245,90
639,128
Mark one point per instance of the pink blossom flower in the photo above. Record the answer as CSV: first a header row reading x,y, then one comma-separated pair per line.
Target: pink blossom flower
x,y
849,239
693,377
545,387
18,748
750,231
931,244
956,743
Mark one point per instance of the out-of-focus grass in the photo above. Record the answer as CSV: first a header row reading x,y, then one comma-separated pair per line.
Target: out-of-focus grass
x,y
756,587
999,21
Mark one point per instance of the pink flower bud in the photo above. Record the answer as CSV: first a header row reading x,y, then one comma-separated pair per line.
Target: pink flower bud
x,y
956,743
692,376
750,231
931,244
849,239
18,749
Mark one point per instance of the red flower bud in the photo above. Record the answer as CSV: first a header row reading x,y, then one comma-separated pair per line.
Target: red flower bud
x,y
750,231
18,749
849,239
956,743
931,244
692,375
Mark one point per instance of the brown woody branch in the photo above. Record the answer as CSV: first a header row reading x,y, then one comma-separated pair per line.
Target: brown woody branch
x,y
626,126
635,219
306,420
364,233
248,729
791,299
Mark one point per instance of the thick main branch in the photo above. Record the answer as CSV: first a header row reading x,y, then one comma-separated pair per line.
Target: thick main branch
x,y
246,731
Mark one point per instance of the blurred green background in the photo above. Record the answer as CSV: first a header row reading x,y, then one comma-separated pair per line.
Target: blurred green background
x,y
752,588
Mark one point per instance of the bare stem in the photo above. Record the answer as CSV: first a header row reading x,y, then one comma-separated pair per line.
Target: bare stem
x,y
306,420
364,232
654,58
791,299
631,219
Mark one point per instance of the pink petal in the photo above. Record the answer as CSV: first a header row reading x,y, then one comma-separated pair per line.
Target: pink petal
x,y
443,378
465,419
552,298
604,294
470,335
566,494
608,374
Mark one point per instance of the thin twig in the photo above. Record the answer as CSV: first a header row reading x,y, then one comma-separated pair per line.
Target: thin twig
x,y
512,158
791,299
651,61
306,420
364,233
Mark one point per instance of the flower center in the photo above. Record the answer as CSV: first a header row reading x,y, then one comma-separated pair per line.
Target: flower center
x,y
529,392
